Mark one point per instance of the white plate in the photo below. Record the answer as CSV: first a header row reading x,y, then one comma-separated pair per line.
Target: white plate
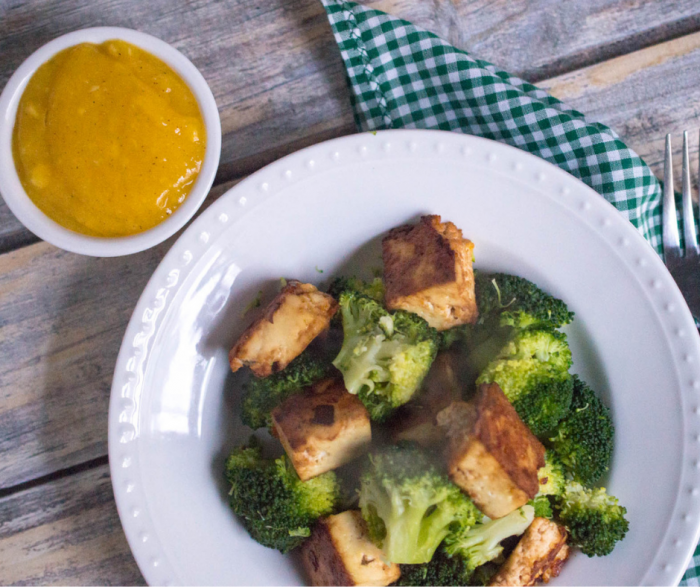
x,y
172,419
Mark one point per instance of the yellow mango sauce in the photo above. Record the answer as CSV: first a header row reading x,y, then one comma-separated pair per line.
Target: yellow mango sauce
x,y
108,139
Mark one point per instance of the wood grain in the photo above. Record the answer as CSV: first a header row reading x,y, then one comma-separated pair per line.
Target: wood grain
x,y
279,84
62,316
276,74
65,532
642,96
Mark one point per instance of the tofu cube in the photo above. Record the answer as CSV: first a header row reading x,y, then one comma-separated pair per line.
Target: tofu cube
x,y
538,557
491,453
339,552
322,428
428,271
554,568
289,323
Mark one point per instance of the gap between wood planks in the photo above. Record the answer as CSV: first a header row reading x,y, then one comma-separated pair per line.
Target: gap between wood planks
x,y
575,85
661,34
236,170
54,476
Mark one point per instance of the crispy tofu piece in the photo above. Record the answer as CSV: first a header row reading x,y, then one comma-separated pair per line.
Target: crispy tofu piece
x,y
322,428
416,421
428,271
491,453
554,568
289,323
339,552
538,557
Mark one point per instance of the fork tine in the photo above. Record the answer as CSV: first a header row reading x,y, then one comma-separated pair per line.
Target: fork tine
x,y
670,220
691,242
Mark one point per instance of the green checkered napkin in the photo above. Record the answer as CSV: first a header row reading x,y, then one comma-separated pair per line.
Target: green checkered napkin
x,y
402,76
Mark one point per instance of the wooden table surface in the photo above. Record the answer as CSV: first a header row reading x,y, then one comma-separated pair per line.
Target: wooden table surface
x,y
279,83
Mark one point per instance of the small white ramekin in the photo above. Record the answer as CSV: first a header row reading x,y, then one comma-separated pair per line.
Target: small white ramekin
x,y
34,219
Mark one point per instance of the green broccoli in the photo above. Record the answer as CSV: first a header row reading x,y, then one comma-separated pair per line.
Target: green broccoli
x,y
373,289
409,505
515,301
384,356
551,476
440,570
532,369
594,519
482,543
275,506
262,395
584,439
542,505
552,481
482,575
448,338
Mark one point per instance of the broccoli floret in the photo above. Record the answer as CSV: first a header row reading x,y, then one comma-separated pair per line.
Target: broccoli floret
x,y
552,481
441,570
275,506
543,507
452,336
594,519
545,403
384,356
373,289
262,395
584,439
515,301
482,575
532,369
409,505
482,543
551,476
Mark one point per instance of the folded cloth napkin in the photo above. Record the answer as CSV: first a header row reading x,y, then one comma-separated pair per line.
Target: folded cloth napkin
x,y
401,76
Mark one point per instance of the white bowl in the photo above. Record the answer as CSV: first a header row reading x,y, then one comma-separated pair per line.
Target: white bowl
x,y
44,227
173,410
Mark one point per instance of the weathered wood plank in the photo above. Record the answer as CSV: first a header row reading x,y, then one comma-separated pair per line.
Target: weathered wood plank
x,y
642,96
277,76
62,316
566,35
65,532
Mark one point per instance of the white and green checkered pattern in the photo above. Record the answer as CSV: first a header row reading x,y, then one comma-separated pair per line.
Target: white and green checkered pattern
x,y
402,76
692,575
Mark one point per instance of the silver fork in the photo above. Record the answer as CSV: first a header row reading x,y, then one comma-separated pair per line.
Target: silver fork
x,y
684,269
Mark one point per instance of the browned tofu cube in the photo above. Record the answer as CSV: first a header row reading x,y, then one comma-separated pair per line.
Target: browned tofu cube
x,y
554,568
428,271
492,455
289,323
538,557
339,552
322,428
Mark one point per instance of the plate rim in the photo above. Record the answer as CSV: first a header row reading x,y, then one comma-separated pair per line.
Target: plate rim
x,y
363,147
